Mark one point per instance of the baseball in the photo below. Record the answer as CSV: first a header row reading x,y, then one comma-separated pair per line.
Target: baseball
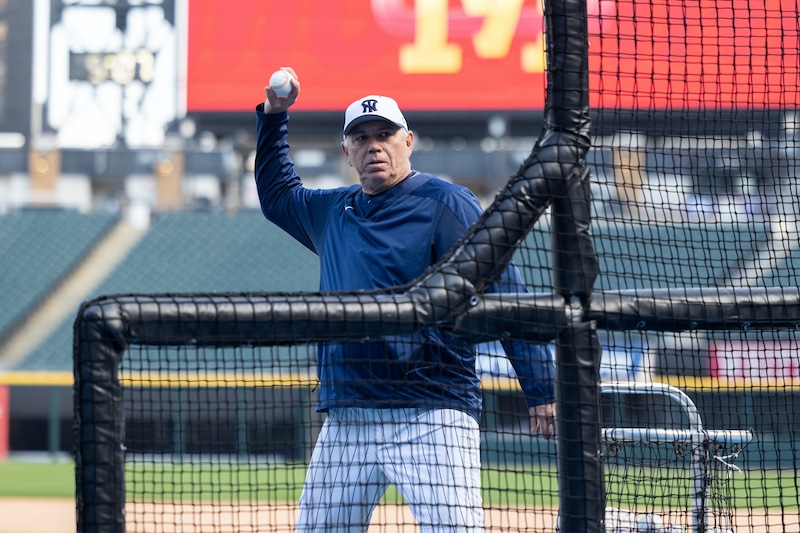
x,y
281,82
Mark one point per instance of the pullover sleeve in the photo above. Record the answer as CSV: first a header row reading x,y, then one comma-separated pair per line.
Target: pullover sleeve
x,y
532,363
284,200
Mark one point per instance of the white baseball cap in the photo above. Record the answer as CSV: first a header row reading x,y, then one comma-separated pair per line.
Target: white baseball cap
x,y
373,107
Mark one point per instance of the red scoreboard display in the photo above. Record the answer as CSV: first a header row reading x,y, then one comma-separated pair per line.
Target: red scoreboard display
x,y
448,55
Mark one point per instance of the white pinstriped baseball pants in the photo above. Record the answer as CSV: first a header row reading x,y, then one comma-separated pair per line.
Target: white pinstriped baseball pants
x,y
431,455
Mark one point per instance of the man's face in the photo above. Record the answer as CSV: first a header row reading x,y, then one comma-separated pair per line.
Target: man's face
x,y
380,153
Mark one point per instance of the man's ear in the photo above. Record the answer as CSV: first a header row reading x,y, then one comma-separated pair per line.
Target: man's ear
x,y
346,154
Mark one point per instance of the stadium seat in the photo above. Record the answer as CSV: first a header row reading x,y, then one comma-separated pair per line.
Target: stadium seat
x,y
40,247
695,254
203,251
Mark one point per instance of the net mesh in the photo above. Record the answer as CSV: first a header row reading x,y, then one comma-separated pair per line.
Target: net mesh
x,y
219,440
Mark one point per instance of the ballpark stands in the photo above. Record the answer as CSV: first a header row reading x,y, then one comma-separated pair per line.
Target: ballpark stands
x,y
39,247
689,254
214,251
204,251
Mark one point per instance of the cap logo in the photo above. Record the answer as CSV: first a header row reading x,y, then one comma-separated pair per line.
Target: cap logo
x,y
369,106
373,107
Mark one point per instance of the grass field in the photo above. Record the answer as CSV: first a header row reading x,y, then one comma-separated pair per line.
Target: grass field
x,y
39,498
284,483
750,489
37,480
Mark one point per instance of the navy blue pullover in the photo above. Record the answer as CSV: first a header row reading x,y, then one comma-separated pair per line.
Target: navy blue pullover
x,y
374,242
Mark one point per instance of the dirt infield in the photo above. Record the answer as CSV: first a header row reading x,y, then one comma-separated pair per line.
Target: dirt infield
x,y
19,515
37,515
387,519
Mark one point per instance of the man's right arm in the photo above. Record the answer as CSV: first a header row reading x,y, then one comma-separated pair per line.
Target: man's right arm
x,y
280,190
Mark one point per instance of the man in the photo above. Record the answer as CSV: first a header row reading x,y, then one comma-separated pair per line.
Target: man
x,y
402,409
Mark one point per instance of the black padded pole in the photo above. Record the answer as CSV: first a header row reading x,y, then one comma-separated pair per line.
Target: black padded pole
x,y
575,268
99,424
581,490
575,263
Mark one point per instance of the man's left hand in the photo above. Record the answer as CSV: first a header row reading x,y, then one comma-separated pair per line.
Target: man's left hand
x,y
543,420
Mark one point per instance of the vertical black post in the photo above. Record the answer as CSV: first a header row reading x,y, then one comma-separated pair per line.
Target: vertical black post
x,y
575,268
581,486
99,424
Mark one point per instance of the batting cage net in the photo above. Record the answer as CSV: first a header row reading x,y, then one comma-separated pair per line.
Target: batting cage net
x,y
654,222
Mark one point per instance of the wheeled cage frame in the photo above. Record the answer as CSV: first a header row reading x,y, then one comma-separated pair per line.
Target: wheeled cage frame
x,y
703,444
